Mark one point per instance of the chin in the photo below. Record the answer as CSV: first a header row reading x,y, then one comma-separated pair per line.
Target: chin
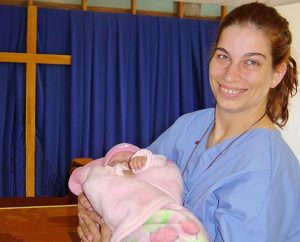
x,y
229,107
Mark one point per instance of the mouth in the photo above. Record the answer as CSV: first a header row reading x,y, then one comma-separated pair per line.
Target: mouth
x,y
231,91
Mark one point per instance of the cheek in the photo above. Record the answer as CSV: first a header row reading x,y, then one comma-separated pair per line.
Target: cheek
x,y
215,70
260,85
212,68
214,75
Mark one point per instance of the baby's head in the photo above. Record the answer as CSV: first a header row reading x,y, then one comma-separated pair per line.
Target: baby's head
x,y
120,153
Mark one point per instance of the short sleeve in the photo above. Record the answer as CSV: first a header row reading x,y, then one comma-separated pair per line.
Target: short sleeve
x,y
247,204
240,201
294,235
165,143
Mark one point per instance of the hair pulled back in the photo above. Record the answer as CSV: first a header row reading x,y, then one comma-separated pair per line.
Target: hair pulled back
x,y
276,28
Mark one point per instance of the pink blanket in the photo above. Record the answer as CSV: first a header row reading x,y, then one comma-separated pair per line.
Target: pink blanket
x,y
126,203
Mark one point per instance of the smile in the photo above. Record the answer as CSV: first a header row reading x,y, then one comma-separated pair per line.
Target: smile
x,y
232,91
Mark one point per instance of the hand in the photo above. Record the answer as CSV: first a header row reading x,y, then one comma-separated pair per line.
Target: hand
x,y
84,207
89,231
83,203
128,173
137,163
89,223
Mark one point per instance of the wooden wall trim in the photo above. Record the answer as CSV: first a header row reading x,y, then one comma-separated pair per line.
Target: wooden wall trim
x,y
30,128
38,58
132,10
223,11
84,5
30,101
133,7
180,9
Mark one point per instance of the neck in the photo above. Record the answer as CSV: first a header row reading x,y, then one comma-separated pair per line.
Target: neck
x,y
228,125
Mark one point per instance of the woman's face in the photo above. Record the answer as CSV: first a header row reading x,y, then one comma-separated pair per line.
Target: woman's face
x,y
241,72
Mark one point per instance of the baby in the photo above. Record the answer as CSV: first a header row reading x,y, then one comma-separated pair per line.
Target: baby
x,y
138,195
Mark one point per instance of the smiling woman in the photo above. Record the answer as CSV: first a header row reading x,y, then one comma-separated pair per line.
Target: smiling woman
x,y
240,177
241,72
261,41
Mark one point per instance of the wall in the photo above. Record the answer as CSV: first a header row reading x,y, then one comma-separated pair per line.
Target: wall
x,y
168,6
292,131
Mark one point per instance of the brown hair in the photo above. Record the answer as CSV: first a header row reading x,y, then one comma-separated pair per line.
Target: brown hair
x,y
276,28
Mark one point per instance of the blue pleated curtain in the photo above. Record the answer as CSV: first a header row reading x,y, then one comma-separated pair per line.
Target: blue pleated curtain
x,y
131,77
12,103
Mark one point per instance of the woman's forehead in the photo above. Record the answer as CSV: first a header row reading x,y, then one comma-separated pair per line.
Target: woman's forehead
x,y
244,39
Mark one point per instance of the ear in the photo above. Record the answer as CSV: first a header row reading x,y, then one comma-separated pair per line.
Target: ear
x,y
279,73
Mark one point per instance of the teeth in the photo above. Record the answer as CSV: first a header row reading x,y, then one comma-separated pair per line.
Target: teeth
x,y
231,91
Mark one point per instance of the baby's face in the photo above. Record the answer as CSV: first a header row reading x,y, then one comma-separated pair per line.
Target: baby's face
x,y
121,157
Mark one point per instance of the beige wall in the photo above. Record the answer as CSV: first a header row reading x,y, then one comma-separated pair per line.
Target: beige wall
x,y
292,131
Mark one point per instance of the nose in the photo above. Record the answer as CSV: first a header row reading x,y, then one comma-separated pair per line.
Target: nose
x,y
232,73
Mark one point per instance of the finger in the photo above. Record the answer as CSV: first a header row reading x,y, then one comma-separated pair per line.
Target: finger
x,y
140,165
80,208
79,232
83,202
135,167
81,235
86,232
81,198
105,233
132,164
93,229
96,218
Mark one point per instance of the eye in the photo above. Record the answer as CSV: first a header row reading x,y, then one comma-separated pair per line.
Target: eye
x,y
252,63
222,57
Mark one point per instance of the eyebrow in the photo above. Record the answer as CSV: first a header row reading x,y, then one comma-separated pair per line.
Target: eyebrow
x,y
255,53
223,50
246,55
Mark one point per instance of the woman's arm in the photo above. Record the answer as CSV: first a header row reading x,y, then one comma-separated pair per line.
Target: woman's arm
x,y
91,226
249,207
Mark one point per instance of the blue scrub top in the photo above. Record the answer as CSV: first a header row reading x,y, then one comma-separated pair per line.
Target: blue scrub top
x,y
242,189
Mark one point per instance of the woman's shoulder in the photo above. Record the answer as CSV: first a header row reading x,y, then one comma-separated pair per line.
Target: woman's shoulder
x,y
270,141
191,123
270,151
183,132
203,115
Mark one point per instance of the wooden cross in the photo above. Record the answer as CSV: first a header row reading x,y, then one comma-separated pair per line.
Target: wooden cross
x,y
31,59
